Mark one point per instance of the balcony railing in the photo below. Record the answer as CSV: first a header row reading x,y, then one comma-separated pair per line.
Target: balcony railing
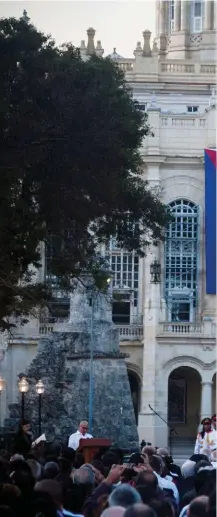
x,y
130,332
45,329
130,66
126,332
180,328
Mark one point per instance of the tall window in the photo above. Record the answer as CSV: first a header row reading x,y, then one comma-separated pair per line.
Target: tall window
x,y
181,262
125,267
197,7
171,15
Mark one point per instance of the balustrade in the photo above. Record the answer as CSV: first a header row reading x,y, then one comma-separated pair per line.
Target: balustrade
x,y
177,68
130,332
208,69
181,328
167,67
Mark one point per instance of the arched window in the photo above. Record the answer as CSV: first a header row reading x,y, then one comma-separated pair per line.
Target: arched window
x,y
181,262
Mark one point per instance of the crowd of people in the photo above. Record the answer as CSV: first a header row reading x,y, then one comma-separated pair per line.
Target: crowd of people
x,y
52,480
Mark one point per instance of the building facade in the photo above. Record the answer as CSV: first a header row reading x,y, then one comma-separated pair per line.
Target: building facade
x,y
167,327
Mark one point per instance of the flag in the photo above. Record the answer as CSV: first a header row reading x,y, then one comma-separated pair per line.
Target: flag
x,y
210,220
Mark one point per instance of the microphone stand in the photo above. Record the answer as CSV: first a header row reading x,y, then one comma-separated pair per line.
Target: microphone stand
x,y
171,429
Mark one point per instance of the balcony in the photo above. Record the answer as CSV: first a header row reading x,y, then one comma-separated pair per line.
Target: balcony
x,y
180,328
130,332
126,332
203,333
172,69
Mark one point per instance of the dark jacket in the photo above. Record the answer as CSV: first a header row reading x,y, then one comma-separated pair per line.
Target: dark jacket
x,y
22,443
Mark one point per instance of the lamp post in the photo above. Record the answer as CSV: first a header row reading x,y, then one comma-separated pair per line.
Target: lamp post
x,y
40,390
155,271
102,279
23,387
2,387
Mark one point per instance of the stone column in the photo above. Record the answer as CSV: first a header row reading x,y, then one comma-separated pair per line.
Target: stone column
x,y
149,426
185,14
157,19
215,15
206,399
162,17
208,15
177,15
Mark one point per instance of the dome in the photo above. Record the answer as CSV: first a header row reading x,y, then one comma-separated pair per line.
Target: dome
x,y
115,55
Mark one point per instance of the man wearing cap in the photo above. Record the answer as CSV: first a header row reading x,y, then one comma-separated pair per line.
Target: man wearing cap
x,y
204,438
81,433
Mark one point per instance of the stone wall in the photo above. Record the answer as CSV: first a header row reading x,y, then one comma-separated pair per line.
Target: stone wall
x,y
63,364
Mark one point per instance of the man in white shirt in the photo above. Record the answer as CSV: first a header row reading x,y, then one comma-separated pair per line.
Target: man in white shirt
x,y
157,464
81,433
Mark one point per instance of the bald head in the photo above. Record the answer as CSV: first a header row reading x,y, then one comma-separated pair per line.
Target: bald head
x,y
140,510
114,511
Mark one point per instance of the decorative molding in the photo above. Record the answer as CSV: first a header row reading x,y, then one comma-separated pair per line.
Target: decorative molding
x,y
208,346
149,159
188,161
196,40
189,361
178,178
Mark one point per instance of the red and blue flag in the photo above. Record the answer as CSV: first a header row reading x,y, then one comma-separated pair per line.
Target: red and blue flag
x,y
210,219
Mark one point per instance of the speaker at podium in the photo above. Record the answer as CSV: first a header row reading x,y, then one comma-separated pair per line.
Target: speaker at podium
x,y
91,446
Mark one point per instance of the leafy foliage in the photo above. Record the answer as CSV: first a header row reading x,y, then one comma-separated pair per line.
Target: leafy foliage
x,y
70,164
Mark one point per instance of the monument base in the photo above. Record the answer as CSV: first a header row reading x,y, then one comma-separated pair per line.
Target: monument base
x,y
63,364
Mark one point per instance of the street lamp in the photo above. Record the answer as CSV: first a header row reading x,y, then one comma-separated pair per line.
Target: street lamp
x,y
40,390
2,387
102,278
23,387
155,271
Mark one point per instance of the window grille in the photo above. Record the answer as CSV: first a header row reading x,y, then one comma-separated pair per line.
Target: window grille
x,y
181,265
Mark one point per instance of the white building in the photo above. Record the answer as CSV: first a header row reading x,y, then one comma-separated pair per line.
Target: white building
x,y
168,328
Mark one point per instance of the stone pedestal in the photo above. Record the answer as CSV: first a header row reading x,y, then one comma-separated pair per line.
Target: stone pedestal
x,y
63,364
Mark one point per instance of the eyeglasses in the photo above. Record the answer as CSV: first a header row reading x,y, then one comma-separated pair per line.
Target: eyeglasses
x,y
85,428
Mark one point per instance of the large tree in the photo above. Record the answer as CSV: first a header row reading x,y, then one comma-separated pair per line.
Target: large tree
x,y
70,164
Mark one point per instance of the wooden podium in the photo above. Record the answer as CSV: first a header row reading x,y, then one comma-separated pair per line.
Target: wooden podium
x,y
90,446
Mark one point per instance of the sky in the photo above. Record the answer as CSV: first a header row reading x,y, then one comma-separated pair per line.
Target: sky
x,y
118,24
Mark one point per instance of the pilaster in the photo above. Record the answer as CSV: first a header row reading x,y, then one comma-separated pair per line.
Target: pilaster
x,y
215,15
207,15
149,426
161,38
206,399
153,142
185,15
177,15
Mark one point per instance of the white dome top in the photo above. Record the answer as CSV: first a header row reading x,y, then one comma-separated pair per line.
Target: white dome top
x,y
115,55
